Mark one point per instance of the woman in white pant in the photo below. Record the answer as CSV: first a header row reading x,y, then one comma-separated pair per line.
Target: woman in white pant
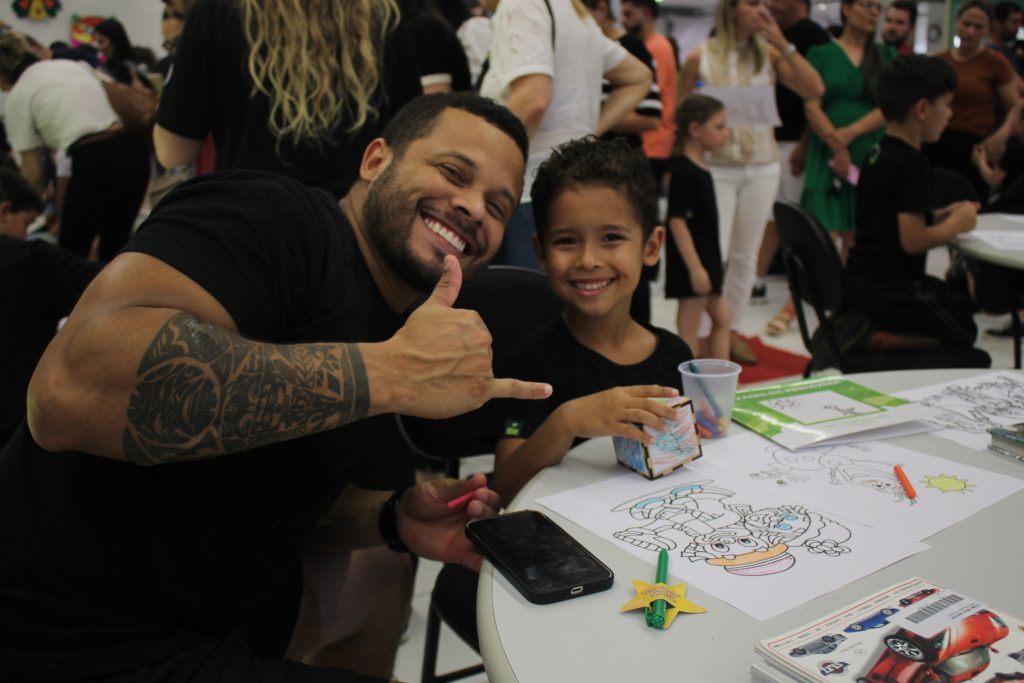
x,y
740,65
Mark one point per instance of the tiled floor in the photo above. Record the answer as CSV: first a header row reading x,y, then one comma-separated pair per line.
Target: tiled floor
x,y
453,653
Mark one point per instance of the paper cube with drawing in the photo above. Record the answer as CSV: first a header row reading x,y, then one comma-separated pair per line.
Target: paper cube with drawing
x,y
744,543
857,480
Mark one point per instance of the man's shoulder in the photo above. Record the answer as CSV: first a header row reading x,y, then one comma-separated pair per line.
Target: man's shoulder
x,y
658,45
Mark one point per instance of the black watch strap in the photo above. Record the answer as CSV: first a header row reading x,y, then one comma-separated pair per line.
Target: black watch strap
x,y
387,522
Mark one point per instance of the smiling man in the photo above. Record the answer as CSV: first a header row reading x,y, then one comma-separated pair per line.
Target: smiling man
x,y
182,503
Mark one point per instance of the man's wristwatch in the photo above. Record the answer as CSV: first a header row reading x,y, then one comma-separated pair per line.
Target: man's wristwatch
x,y
387,522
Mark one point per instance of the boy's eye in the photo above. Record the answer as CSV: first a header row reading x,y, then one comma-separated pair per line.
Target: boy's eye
x,y
614,237
563,241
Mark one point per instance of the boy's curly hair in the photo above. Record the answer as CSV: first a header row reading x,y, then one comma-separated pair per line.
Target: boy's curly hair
x,y
587,162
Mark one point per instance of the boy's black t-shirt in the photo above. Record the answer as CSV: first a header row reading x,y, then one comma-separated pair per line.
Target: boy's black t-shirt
x,y
39,284
552,354
895,180
209,91
106,565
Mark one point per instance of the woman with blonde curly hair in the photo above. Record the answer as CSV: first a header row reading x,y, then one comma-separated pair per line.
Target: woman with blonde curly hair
x,y
298,88
742,61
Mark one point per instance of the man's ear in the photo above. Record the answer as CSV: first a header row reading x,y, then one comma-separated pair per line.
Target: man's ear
x,y
5,210
652,249
538,248
376,157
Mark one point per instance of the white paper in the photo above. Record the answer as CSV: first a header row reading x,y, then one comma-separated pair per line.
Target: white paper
x,y
746,105
1004,240
857,481
753,547
968,408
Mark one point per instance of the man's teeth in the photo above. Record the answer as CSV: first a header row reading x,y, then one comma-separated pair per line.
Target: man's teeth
x,y
446,234
591,285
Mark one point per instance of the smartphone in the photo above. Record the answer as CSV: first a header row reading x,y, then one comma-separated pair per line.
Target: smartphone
x,y
852,173
538,557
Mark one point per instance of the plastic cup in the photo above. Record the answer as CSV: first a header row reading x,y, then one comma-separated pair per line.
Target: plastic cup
x,y
711,385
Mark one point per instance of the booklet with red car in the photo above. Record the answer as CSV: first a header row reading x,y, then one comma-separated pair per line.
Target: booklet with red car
x,y
913,632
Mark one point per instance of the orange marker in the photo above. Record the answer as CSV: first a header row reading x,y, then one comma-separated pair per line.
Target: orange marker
x,y
908,488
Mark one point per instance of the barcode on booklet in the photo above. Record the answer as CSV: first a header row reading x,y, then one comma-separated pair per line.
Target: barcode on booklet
x,y
936,613
933,609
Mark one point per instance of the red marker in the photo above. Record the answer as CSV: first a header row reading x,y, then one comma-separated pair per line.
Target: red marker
x,y
461,500
908,488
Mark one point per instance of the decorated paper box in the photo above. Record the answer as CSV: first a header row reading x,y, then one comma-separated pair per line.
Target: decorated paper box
x,y
672,449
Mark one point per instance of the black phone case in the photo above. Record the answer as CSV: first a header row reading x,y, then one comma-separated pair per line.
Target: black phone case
x,y
560,592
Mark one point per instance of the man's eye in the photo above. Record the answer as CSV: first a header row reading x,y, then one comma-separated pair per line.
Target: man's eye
x,y
497,210
451,173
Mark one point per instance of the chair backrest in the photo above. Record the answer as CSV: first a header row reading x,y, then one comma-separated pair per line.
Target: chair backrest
x,y
512,302
808,248
949,186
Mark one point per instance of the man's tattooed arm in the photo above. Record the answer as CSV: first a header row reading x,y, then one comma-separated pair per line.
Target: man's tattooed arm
x,y
202,392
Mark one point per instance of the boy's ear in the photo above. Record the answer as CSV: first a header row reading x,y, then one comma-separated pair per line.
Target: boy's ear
x,y
921,108
538,249
652,250
5,210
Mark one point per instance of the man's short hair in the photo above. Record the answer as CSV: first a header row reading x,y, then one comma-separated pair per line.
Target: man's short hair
x,y
418,117
650,5
589,162
14,188
907,6
909,79
1003,10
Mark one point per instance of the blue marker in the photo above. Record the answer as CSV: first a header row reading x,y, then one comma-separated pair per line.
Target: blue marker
x,y
704,387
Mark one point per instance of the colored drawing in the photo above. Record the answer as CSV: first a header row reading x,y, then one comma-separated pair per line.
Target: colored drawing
x,y
948,484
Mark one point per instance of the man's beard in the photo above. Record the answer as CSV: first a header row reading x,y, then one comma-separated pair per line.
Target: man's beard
x,y
388,217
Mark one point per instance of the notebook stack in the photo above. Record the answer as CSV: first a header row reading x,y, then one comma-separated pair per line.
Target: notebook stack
x,y
1008,440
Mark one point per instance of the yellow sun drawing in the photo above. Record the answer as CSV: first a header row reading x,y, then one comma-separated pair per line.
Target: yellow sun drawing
x,y
948,483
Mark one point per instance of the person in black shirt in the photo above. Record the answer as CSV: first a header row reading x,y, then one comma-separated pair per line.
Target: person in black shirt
x,y
285,91
885,273
194,427
597,226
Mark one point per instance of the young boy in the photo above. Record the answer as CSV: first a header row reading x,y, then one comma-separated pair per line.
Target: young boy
x,y
596,215
896,225
20,204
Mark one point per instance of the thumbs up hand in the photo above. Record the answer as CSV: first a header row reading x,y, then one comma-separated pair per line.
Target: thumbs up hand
x,y
439,364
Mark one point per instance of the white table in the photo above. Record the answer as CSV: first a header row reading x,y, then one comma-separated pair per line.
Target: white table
x,y
586,639
975,248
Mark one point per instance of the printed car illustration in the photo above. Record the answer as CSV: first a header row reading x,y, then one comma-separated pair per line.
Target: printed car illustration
x,y
876,620
956,654
819,646
920,595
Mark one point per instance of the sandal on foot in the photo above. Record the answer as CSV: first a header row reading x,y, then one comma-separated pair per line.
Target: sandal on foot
x,y
781,322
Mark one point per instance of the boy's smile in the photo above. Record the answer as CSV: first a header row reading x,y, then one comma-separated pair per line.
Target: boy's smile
x,y
594,250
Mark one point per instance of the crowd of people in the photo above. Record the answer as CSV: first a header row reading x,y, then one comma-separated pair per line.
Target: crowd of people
x,y
199,477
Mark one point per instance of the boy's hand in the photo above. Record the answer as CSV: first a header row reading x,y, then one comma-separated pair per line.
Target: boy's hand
x,y
616,412
700,281
966,216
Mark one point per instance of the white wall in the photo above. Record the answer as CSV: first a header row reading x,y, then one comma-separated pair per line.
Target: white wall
x,y
141,19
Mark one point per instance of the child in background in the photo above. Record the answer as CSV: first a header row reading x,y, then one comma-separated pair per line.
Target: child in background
x,y
693,258
885,273
596,216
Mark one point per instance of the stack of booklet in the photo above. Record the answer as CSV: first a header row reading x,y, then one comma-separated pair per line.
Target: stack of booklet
x,y
827,411
912,632
1008,440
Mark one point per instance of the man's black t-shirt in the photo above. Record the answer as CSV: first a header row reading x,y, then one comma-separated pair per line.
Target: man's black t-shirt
x,y
39,284
552,355
894,180
804,34
209,91
106,565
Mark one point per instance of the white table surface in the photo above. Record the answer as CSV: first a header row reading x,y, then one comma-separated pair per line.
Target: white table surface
x,y
587,639
982,251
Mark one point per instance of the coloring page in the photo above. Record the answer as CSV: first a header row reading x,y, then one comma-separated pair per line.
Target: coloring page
x,y
857,481
969,408
820,407
744,543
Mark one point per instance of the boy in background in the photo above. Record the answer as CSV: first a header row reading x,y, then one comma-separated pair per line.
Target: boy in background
x,y
596,215
896,225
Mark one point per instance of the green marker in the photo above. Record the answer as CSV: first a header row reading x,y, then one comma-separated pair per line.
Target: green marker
x,y
656,612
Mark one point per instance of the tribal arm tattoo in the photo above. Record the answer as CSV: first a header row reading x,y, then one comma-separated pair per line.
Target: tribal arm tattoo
x,y
202,392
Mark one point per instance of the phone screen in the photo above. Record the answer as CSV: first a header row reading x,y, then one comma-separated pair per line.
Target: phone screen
x,y
539,555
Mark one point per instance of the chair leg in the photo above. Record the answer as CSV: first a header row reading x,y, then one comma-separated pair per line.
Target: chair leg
x,y
430,645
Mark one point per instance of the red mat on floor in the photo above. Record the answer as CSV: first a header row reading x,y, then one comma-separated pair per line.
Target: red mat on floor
x,y
772,363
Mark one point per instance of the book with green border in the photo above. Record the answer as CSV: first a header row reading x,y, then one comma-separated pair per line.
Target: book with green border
x,y
826,410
